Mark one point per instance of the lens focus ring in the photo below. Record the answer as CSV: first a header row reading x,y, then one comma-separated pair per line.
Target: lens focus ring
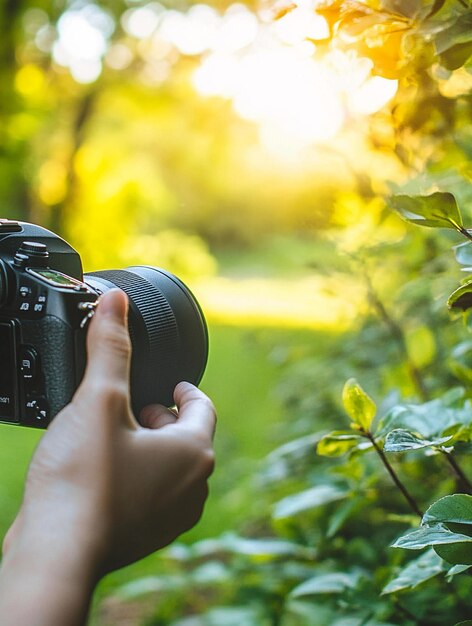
x,y
161,325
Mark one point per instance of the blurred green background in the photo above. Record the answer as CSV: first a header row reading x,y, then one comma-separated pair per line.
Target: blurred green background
x,y
237,151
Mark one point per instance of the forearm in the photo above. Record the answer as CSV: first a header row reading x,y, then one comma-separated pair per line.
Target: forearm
x,y
40,587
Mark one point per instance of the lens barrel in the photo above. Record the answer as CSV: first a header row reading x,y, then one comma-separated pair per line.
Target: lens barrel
x,y
168,331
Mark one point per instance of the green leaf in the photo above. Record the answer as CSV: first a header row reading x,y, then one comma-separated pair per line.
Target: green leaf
x,y
282,461
224,616
338,443
461,298
460,32
437,6
455,513
463,253
467,622
341,515
401,440
457,56
427,536
151,584
438,210
416,572
359,406
456,508
454,43
455,570
430,419
308,500
255,549
332,582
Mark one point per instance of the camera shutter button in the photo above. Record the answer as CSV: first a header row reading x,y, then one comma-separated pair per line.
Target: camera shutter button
x,y
32,254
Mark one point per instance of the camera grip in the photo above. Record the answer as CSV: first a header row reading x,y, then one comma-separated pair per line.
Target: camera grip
x,y
57,345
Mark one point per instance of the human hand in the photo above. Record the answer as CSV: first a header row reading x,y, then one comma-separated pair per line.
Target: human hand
x,y
102,489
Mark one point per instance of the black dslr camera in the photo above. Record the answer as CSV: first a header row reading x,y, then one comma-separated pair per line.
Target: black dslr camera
x,y
45,304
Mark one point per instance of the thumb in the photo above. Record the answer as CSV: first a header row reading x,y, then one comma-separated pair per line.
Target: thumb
x,y
108,342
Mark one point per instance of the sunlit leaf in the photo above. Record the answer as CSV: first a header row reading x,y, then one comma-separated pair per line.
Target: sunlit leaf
x,y
429,536
358,405
338,443
401,440
416,572
308,500
461,298
438,210
460,32
331,582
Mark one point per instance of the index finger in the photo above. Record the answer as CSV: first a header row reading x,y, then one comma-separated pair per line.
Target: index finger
x,y
196,410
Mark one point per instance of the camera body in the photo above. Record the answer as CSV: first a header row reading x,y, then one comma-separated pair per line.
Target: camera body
x,y
45,304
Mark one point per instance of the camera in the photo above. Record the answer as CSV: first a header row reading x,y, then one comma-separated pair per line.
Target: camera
x,y
45,304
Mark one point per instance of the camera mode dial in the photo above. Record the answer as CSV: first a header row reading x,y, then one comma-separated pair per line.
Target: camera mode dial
x,y
32,254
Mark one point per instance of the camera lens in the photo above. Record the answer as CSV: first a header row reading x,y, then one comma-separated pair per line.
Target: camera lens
x,y
167,328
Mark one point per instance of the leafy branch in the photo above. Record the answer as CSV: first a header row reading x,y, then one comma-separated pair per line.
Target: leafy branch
x,y
408,497
401,440
463,481
362,409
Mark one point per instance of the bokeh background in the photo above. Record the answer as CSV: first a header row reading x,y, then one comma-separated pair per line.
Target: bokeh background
x,y
234,144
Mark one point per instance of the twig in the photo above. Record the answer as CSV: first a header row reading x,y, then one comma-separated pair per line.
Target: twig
x,y
408,497
466,484
465,232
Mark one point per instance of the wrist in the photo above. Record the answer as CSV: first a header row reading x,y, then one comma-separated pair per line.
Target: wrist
x,y
59,541
45,584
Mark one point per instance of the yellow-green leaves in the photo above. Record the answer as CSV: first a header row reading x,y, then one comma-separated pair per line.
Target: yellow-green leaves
x,y
438,210
359,406
338,443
